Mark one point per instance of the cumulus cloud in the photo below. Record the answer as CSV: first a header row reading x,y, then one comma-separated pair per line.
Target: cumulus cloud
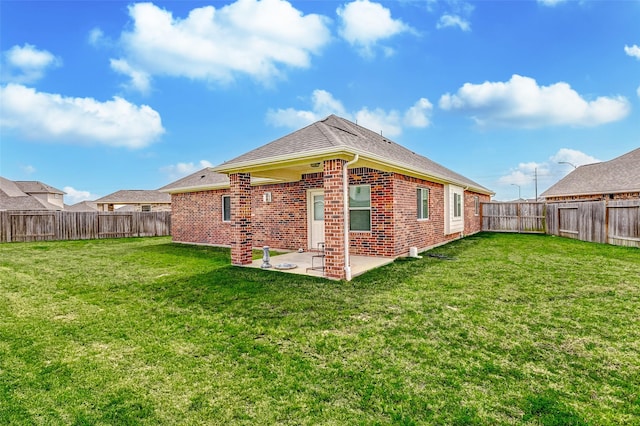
x,y
249,37
363,24
521,102
74,196
176,171
391,123
55,118
548,172
453,21
27,64
550,2
633,51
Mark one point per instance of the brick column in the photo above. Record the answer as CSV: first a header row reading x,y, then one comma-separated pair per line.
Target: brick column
x,y
334,219
241,235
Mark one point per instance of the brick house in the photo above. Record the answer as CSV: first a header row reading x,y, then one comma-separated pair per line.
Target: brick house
x,y
617,179
138,200
332,182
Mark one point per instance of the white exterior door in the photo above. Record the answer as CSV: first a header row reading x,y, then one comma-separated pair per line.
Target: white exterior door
x,y
316,217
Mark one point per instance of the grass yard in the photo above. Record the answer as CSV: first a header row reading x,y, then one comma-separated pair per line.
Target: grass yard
x,y
518,329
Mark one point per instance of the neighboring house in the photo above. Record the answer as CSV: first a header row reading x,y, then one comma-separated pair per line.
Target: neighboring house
x,y
29,195
82,206
292,194
140,200
617,179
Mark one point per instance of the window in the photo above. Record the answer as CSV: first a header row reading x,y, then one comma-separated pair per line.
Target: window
x,y
457,204
360,208
226,208
423,203
476,205
146,208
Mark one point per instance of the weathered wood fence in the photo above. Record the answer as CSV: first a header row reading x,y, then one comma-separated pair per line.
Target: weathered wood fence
x,y
613,222
61,225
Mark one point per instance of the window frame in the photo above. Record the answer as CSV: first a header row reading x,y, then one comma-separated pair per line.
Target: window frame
x,y
457,205
476,205
145,208
420,198
224,210
360,208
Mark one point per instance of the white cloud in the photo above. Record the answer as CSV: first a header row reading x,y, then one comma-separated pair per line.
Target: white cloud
x,y
176,171
638,91
390,123
548,172
550,2
74,196
364,24
633,51
54,118
521,102
249,37
419,114
453,21
27,64
28,169
140,80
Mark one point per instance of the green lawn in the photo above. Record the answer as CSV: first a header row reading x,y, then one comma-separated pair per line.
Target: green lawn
x,y
511,329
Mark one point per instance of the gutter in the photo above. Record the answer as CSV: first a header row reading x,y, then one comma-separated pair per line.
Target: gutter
x,y
345,190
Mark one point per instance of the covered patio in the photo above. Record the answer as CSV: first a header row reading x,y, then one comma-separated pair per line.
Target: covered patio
x,y
305,261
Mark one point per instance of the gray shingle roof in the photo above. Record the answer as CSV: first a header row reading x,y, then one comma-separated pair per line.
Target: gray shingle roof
x,y
125,196
36,187
201,180
13,198
622,174
338,133
82,206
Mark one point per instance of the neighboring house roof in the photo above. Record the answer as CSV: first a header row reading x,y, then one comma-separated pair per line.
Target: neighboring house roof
x,y
135,196
202,180
37,187
82,206
336,137
13,198
622,174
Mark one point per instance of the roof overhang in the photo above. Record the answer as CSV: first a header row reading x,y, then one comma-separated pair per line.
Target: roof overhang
x,y
291,167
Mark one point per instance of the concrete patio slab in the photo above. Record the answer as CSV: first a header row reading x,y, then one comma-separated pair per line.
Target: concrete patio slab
x,y
303,263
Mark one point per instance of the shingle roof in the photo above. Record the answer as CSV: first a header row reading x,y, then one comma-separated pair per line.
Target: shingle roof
x,y
336,133
82,206
622,174
13,198
135,196
201,180
36,187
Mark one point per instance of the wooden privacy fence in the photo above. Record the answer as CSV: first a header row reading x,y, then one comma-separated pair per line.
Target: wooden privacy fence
x,y
613,222
61,225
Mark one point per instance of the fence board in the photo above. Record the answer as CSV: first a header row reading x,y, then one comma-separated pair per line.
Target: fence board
x,y
61,225
613,222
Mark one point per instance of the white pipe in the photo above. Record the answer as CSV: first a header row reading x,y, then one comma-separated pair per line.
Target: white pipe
x,y
345,190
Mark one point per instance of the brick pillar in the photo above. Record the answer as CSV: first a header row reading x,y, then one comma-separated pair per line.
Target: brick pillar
x,y
241,236
334,219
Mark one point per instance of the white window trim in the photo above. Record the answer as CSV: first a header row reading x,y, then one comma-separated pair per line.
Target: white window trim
x,y
476,205
457,205
361,209
419,212
222,204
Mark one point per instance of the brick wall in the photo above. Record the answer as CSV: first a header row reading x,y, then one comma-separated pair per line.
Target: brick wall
x,y
241,226
473,222
334,219
196,217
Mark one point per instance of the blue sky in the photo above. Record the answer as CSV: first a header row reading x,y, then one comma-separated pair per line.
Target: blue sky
x,y
98,96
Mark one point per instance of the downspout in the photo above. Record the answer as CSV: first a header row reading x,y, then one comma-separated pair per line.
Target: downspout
x,y
345,191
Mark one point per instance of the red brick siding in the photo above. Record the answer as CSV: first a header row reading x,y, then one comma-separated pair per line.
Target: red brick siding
x,y
334,219
241,232
196,217
473,222
379,241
